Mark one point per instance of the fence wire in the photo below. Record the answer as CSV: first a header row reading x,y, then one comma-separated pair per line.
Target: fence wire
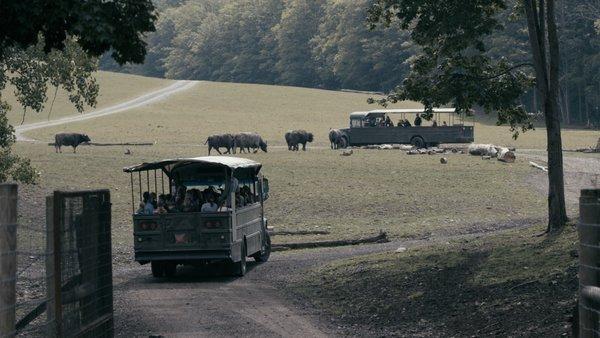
x,y
32,295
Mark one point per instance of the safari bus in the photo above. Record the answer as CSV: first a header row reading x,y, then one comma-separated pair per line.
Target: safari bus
x,y
194,211
385,126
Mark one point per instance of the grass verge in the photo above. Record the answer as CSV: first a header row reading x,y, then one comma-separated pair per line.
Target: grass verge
x,y
509,284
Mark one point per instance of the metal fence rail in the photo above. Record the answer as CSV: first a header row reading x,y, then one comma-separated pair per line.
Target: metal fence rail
x,y
589,263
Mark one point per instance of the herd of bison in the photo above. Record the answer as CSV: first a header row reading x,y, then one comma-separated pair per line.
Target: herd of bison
x,y
242,141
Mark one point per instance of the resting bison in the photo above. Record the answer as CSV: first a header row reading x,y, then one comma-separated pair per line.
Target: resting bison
x,y
337,139
245,141
221,141
296,137
69,139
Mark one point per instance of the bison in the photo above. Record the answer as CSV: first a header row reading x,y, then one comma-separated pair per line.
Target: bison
x,y
69,139
296,137
245,141
337,139
221,141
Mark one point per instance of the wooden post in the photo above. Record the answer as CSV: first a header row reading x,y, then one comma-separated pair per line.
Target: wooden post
x,y
589,263
8,258
50,271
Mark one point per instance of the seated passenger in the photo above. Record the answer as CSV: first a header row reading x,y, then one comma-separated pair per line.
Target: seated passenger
x,y
188,203
418,120
148,204
388,122
444,124
434,124
163,200
140,210
406,123
210,205
161,208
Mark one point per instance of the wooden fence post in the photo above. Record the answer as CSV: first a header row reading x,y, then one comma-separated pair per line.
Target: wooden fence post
x,y
589,263
8,258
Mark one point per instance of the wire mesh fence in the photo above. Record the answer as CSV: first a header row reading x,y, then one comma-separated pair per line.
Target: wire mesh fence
x,y
85,262
56,276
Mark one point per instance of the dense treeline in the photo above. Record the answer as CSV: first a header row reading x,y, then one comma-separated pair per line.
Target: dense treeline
x,y
328,44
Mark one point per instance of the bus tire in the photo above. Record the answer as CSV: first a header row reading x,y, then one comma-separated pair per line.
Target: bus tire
x,y
170,269
239,268
265,251
418,142
157,269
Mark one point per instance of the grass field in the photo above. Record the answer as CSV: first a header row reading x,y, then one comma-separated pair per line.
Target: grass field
x,y
114,88
410,197
348,196
511,284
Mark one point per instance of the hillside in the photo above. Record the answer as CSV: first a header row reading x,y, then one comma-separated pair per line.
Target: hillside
x,y
114,88
217,107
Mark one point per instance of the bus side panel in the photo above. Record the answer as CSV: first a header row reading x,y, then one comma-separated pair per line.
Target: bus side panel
x,y
249,222
404,135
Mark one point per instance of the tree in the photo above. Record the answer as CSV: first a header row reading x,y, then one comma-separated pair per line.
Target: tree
x,y
50,42
455,69
298,24
99,25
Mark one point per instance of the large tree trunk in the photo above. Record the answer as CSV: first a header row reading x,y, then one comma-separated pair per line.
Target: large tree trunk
x,y
540,14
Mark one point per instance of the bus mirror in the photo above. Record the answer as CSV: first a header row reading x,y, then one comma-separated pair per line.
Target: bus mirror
x,y
265,188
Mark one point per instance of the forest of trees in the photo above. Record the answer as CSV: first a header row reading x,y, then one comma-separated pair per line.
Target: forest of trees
x,y
328,44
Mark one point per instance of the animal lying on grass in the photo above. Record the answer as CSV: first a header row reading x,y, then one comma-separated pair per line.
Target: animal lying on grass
x,y
245,141
226,141
69,139
295,137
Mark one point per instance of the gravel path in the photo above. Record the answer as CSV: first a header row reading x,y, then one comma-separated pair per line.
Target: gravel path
x,y
139,101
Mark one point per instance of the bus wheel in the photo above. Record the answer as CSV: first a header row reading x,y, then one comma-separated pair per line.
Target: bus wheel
x,y
265,252
157,269
418,142
170,269
239,268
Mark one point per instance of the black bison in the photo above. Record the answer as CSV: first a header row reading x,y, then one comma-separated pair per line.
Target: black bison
x,y
337,139
245,141
69,139
296,137
221,141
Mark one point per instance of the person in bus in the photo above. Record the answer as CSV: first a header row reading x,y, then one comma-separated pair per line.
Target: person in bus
x,y
444,124
388,122
210,205
434,124
148,205
418,120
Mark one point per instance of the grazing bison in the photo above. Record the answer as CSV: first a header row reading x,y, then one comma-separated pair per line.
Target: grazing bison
x,y
69,139
337,139
221,141
245,141
296,137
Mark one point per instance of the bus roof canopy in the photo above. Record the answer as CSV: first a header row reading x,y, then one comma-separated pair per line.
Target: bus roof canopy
x,y
413,111
225,162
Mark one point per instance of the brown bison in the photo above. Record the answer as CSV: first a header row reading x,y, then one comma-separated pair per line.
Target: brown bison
x,y
221,141
245,141
296,137
69,139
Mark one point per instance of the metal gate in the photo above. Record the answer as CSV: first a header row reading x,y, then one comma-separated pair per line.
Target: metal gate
x,y
82,261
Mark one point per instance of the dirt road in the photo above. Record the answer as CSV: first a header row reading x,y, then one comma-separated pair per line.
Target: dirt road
x,y
137,102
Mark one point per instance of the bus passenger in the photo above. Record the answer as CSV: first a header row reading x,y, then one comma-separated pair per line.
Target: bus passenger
x,y
444,124
210,205
388,122
418,120
148,205
140,210
434,124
